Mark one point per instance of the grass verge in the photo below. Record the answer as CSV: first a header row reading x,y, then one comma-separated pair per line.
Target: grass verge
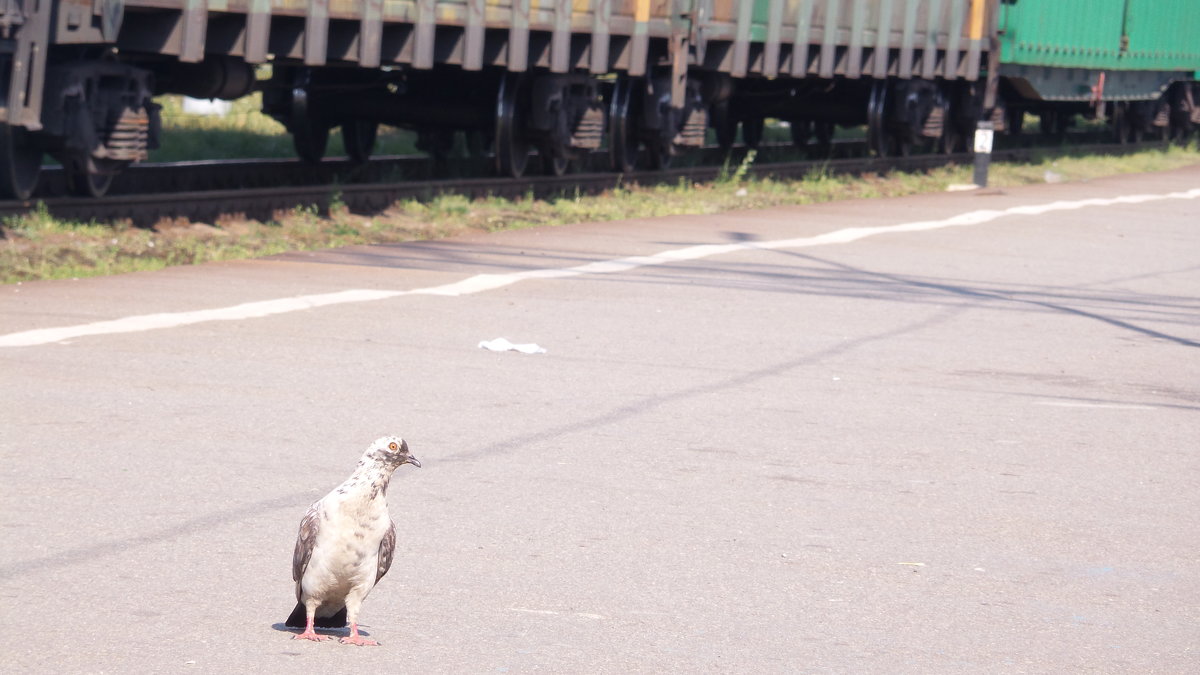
x,y
37,246
244,132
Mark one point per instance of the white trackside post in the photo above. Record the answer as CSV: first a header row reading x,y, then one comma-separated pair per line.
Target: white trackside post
x,y
984,132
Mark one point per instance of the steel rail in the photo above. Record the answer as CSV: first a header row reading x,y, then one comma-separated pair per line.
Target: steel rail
x,y
264,203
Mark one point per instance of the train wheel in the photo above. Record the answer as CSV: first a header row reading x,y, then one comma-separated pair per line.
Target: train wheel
x,y
1180,133
1181,100
752,131
623,126
85,184
1116,119
435,142
723,124
660,155
899,146
512,146
950,141
1161,112
554,144
820,132
358,137
801,131
310,133
554,162
20,163
1054,122
954,134
477,142
1124,129
1047,120
310,138
877,135
1014,120
823,131
84,179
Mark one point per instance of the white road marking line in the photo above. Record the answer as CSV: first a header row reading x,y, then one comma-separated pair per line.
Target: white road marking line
x,y
249,310
487,282
551,612
1102,406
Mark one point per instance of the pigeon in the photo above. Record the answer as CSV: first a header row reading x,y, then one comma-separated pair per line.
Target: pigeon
x,y
345,545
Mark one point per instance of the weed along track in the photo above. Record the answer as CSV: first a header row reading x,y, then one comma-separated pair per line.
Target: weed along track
x,y
258,190
99,237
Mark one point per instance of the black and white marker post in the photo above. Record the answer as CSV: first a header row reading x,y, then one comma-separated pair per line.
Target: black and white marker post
x,y
983,151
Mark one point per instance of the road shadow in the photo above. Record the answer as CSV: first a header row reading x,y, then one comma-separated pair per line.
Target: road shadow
x,y
819,277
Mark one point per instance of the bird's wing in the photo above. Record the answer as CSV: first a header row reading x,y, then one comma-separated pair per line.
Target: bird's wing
x,y
306,539
387,548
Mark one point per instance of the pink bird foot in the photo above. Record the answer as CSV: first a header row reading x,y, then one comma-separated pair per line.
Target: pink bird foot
x,y
310,634
355,639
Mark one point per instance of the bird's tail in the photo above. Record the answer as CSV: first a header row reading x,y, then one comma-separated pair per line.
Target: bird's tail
x,y
298,618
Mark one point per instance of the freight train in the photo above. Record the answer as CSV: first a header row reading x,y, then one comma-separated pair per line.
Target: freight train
x,y
547,80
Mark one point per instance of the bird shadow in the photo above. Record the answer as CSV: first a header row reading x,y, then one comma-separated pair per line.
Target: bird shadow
x,y
332,632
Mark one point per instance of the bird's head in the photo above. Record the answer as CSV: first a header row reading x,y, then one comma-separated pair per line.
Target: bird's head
x,y
392,450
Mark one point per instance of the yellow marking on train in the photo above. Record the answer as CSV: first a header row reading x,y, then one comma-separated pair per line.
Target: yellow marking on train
x,y
977,14
642,11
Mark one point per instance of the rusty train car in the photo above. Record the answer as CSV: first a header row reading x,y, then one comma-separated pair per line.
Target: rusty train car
x,y
546,80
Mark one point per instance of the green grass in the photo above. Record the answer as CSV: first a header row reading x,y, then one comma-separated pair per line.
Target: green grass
x,y
245,132
37,246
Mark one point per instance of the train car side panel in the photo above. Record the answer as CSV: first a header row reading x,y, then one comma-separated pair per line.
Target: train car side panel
x,y
852,39
1163,35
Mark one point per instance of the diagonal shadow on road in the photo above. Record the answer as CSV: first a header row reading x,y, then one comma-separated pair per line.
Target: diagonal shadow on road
x,y
205,522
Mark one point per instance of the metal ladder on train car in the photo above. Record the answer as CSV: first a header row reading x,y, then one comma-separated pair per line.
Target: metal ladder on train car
x,y
25,31
26,65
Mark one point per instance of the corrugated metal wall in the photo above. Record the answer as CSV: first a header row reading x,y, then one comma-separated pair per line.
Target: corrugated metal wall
x,y
851,38
803,38
1160,35
1163,35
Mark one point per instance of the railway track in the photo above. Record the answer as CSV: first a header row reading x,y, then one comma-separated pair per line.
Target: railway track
x,y
256,189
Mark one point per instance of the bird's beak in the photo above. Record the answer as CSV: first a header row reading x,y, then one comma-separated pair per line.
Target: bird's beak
x,y
414,461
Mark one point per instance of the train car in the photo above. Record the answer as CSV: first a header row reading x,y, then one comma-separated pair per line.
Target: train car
x,y
555,75
924,73
1134,61
643,78
915,72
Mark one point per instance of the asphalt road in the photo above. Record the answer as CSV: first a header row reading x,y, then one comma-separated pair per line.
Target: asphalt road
x,y
950,444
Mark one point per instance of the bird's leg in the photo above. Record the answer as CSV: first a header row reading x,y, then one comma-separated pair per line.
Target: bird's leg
x,y
353,601
355,639
309,633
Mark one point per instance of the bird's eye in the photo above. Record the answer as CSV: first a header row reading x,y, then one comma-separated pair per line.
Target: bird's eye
x,y
393,447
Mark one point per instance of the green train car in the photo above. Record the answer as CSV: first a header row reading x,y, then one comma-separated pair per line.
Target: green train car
x,y
548,80
1135,60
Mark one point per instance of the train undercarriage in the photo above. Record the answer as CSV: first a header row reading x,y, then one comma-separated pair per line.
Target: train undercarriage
x,y
560,116
547,82
98,114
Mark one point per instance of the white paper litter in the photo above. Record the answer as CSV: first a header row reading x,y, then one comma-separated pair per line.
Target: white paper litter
x,y
503,345
200,106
